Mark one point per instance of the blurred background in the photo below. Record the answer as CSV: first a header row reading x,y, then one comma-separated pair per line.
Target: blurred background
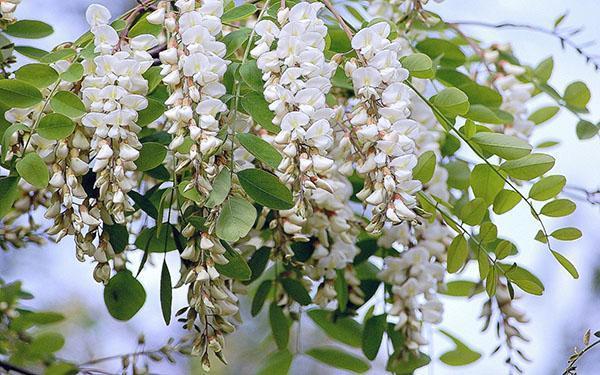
x,y
559,318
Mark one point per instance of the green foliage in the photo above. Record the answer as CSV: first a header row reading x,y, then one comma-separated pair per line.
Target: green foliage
x,y
236,219
33,169
19,94
55,126
461,355
124,296
29,29
265,189
339,359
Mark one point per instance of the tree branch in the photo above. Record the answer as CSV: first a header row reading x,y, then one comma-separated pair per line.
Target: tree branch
x,y
564,38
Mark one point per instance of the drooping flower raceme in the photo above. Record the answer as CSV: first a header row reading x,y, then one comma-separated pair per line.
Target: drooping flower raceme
x,y
384,132
193,66
8,8
113,90
297,78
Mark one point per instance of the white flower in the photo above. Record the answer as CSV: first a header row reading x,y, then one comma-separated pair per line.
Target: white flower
x,y
97,15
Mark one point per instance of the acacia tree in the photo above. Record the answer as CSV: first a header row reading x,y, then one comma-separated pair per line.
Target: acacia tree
x,y
334,159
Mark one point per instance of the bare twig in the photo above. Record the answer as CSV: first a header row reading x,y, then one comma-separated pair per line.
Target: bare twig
x,y
564,38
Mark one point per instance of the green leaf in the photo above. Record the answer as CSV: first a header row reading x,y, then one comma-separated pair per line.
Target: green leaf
x,y
266,189
236,219
339,40
29,29
547,187
477,94
474,211
566,234
55,126
577,95
68,104
31,52
257,107
586,130
166,293
252,76
523,278
46,343
486,183
151,156
567,265
398,364
528,167
261,149
343,329
461,355
341,290
462,288
488,232
124,296
505,201
19,94
450,54
490,282
279,326
236,267
505,146
39,75
262,292
451,101
296,290
425,167
118,236
458,174
221,188
258,262
33,169
481,113
239,13
339,359
419,65
149,241
235,40
373,334
9,192
558,208
277,363
503,249
144,27
154,78
58,55
151,113
543,114
458,252
74,73
543,71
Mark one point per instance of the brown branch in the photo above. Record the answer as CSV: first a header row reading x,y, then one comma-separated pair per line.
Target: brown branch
x,y
565,39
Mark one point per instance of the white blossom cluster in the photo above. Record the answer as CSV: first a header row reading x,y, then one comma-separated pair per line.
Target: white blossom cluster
x,y
394,10
417,271
385,135
112,91
8,8
193,66
297,79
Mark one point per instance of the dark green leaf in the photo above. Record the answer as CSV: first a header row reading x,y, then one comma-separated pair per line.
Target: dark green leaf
x,y
19,94
33,169
236,219
55,126
124,296
266,189
280,326
261,295
166,293
339,359
261,149
296,290
29,29
236,267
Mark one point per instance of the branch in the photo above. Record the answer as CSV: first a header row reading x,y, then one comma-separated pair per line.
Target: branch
x,y
8,367
565,39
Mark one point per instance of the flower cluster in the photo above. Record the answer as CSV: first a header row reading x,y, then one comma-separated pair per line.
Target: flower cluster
x,y
112,91
193,69
7,9
193,66
384,133
297,78
395,10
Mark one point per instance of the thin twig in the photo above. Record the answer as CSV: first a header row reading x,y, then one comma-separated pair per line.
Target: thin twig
x,y
8,367
564,39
